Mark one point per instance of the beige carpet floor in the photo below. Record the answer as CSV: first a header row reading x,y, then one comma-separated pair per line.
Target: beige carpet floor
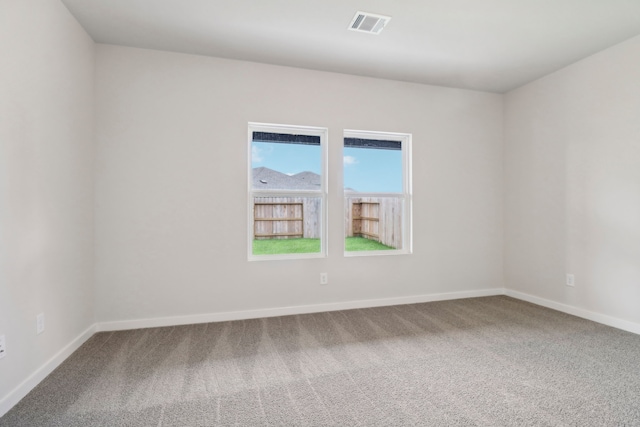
x,y
492,361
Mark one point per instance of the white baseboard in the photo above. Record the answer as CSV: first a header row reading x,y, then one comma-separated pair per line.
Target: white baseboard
x,y
625,325
285,311
14,396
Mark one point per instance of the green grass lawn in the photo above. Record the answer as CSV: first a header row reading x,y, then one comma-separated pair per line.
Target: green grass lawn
x,y
354,244
285,246
304,246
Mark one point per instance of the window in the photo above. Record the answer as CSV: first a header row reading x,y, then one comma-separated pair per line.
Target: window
x,y
377,192
287,191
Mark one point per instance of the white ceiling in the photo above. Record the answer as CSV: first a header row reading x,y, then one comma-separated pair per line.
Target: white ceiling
x,y
489,45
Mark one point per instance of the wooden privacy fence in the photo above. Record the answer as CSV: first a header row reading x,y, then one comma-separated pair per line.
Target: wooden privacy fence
x,y
286,217
375,218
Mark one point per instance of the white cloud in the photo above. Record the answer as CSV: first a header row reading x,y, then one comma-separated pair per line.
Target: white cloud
x,y
350,160
256,155
260,153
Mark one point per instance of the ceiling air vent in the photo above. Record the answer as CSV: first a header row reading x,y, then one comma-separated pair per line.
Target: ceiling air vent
x,y
369,22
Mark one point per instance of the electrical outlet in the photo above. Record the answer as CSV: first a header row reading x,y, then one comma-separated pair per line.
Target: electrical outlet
x,y
571,280
324,278
3,347
40,323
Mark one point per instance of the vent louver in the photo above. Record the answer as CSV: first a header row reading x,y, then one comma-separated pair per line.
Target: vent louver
x,y
368,22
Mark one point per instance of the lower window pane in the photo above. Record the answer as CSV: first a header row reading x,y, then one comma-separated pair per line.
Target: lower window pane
x,y
286,225
373,223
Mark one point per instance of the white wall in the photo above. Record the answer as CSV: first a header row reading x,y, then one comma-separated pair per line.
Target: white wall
x,y
46,185
171,179
572,180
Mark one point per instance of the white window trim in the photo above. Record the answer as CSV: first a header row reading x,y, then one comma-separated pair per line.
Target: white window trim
x,y
323,133
406,194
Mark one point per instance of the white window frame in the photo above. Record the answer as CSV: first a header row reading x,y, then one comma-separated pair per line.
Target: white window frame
x,y
323,133
406,194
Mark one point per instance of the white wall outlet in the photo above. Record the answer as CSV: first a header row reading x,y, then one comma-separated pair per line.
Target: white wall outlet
x,y
571,280
324,278
40,323
3,347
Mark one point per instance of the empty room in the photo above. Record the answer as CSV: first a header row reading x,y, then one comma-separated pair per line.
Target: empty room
x,y
306,213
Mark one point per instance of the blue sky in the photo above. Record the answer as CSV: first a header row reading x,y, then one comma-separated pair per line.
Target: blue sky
x,y
365,169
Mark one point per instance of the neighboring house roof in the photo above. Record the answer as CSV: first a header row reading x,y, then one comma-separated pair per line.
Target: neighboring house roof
x,y
308,177
269,179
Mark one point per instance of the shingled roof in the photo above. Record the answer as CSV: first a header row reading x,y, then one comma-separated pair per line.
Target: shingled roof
x,y
269,179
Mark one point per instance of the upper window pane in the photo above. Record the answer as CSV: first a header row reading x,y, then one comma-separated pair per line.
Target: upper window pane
x,y
372,166
285,161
